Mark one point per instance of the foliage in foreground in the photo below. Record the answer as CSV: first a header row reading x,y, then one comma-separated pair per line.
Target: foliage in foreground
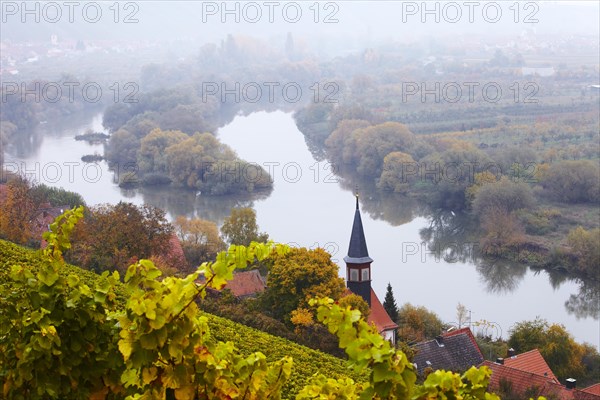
x,y
58,339
247,340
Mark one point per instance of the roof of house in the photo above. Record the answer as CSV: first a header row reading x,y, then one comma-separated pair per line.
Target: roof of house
x,y
583,395
246,283
357,250
520,381
594,389
457,351
378,316
44,216
523,382
531,361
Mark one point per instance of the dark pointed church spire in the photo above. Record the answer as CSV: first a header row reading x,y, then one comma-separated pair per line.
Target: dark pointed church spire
x,y
357,251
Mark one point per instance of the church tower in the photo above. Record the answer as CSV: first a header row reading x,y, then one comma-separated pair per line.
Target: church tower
x,y
358,278
358,262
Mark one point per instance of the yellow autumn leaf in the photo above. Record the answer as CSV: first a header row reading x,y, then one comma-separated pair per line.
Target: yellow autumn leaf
x,y
149,375
125,348
185,393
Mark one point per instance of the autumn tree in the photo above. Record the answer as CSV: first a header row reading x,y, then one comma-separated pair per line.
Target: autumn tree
x,y
502,232
399,171
240,227
573,181
187,118
200,239
189,159
122,148
451,171
355,302
313,334
512,159
557,346
113,236
417,324
140,126
152,156
504,195
18,211
480,179
586,245
375,142
349,112
389,303
202,162
57,196
296,277
341,143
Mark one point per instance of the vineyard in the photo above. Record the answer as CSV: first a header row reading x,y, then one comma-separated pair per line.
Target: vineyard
x,y
247,340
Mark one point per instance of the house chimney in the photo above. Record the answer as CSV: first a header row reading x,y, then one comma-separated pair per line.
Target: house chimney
x,y
500,360
440,340
571,383
511,352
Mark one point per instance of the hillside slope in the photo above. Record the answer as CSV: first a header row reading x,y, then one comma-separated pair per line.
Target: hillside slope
x,y
306,361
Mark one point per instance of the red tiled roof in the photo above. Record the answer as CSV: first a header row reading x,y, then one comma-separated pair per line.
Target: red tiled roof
x,y
531,361
583,395
521,381
594,389
43,218
246,283
378,316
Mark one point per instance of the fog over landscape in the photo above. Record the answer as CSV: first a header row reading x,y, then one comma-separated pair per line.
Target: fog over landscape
x,y
455,144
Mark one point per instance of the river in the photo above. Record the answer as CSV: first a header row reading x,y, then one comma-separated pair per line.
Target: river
x,y
311,207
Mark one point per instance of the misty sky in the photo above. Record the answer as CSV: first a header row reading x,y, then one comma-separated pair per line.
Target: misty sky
x,y
360,20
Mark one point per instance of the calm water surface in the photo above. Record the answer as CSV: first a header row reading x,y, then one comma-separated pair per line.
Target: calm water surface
x,y
309,207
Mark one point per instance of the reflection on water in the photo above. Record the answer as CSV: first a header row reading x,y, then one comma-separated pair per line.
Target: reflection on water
x,y
500,276
429,257
49,154
27,143
186,202
586,303
393,208
449,237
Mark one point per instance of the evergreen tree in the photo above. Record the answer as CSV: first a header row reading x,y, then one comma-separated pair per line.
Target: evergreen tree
x,y
390,304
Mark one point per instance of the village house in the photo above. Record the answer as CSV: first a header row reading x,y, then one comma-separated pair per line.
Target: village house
x,y
455,350
43,217
529,375
246,284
